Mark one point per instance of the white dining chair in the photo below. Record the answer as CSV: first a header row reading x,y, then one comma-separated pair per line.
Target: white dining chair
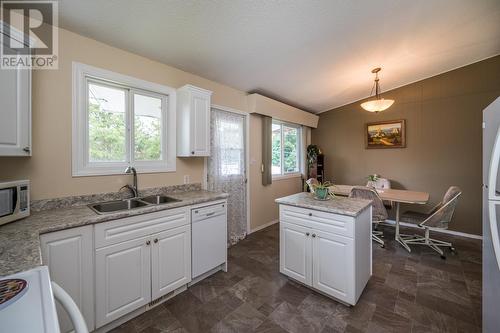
x,y
310,183
381,184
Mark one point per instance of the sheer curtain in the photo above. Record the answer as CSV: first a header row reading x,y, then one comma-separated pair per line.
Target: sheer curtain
x,y
226,168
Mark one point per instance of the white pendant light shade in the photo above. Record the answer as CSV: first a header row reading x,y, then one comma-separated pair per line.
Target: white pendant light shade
x,y
377,105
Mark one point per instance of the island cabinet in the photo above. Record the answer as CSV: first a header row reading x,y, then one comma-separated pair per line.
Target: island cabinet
x,y
329,252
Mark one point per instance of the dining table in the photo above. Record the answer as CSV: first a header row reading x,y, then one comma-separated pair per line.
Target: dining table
x,y
397,197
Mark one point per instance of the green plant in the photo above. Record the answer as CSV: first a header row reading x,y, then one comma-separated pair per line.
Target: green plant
x,y
373,178
321,190
312,153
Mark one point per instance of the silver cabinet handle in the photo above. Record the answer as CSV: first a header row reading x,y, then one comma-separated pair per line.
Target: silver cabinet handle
x,y
148,242
307,234
210,214
26,149
156,240
314,235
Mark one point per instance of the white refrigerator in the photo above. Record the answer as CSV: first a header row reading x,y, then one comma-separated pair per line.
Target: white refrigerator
x,y
491,217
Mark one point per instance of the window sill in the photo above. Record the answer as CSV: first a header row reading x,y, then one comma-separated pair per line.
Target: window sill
x,y
287,176
119,171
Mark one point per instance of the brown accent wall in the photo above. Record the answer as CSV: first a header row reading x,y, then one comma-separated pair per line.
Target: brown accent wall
x,y
444,139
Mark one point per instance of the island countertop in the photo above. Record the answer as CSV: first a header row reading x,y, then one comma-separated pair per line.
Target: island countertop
x,y
336,205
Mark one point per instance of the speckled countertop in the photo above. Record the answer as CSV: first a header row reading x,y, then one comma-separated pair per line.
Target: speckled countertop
x,y
20,240
337,205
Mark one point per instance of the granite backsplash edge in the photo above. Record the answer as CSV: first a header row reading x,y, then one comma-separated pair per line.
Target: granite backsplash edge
x,y
79,200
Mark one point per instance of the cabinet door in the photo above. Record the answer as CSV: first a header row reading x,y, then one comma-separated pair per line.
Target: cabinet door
x,y
69,256
333,271
171,260
15,112
200,118
295,252
123,279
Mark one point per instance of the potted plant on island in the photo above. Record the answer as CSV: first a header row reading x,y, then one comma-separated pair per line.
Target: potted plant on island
x,y
322,192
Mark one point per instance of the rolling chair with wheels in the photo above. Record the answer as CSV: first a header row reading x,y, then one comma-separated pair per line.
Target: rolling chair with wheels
x,y
437,218
379,213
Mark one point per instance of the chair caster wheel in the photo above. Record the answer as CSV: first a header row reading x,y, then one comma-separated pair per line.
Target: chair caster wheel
x,y
453,250
382,246
443,257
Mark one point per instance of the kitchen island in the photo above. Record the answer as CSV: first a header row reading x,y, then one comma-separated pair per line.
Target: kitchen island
x,y
326,245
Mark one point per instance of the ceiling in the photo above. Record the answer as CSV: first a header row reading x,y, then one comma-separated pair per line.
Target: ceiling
x,y
313,54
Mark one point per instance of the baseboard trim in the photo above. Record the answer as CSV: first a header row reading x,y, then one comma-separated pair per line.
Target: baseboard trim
x,y
443,231
260,227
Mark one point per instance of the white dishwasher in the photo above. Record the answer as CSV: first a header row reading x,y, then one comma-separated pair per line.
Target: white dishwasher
x,y
209,238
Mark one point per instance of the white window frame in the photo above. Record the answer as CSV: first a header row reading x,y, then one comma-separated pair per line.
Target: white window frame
x,y
286,175
81,166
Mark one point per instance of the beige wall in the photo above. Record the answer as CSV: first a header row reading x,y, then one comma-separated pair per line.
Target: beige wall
x,y
444,138
263,209
49,169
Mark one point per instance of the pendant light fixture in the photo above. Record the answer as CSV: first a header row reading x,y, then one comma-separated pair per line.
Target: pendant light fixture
x,y
378,104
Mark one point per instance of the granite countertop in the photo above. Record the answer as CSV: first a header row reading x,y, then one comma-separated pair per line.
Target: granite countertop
x,y
20,240
337,205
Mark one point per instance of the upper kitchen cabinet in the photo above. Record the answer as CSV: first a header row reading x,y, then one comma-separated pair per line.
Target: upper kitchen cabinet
x,y
15,112
193,121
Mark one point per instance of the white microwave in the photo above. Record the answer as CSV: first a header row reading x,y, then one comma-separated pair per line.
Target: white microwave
x,y
14,200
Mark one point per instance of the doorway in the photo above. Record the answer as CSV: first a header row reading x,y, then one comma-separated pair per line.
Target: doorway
x,y
226,167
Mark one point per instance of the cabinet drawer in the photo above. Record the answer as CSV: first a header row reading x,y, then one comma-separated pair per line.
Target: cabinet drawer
x,y
329,222
128,228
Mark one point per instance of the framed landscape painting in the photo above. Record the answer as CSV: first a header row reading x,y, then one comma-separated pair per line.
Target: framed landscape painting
x,y
386,134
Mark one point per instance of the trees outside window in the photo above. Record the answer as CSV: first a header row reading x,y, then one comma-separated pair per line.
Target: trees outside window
x,y
285,148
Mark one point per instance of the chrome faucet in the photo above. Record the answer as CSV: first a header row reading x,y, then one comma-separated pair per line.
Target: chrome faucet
x,y
133,188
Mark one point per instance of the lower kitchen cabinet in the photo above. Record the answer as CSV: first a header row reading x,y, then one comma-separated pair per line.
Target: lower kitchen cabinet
x,y
113,268
69,255
171,261
123,279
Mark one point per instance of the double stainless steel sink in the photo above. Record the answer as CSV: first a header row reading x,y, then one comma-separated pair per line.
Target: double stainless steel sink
x,y
128,204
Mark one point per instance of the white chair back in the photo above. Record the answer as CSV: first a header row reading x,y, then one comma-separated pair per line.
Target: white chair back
x,y
380,183
311,182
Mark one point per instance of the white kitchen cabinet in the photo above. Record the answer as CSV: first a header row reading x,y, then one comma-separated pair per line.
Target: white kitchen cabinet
x,y
15,112
328,252
295,252
69,255
171,261
193,121
333,264
123,279
139,259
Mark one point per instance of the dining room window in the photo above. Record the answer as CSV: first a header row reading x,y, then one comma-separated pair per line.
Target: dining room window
x,y
286,152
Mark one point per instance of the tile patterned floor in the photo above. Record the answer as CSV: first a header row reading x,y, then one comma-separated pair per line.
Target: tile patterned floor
x,y
417,292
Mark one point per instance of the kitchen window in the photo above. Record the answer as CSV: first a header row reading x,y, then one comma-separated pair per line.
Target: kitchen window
x,y
120,121
286,152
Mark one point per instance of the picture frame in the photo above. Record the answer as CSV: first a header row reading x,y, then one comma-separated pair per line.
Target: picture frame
x,y
386,134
